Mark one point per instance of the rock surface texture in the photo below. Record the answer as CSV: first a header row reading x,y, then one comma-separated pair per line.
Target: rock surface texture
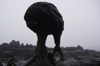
x,y
44,19
74,56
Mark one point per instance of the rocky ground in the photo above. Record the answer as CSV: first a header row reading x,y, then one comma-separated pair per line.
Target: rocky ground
x,y
72,58
80,57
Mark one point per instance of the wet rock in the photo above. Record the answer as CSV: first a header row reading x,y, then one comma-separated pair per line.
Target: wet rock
x,y
70,61
67,62
90,62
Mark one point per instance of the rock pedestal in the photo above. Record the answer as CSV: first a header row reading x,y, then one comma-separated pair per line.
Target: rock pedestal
x,y
44,62
41,57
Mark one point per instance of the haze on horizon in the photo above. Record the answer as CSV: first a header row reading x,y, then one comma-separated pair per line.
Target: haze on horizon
x,y
81,23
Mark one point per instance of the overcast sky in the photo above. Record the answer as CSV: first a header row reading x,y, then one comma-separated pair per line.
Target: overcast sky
x,y
81,19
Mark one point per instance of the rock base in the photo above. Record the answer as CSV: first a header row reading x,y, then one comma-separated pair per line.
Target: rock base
x,y
69,62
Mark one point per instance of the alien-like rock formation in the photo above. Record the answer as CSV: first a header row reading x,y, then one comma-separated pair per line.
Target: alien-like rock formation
x,y
44,19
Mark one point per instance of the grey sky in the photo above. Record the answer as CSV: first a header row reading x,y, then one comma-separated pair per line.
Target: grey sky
x,y
81,17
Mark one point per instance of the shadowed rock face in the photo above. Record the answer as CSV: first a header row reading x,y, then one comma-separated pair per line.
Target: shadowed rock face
x,y
44,15
44,18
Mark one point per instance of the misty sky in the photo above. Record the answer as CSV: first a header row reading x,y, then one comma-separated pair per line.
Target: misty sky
x,y
81,19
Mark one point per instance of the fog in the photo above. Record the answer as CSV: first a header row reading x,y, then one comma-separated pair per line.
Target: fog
x,y
81,23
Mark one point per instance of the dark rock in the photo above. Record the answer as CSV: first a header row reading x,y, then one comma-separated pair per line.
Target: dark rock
x,y
50,58
1,64
11,62
90,62
67,62
42,62
79,47
44,19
